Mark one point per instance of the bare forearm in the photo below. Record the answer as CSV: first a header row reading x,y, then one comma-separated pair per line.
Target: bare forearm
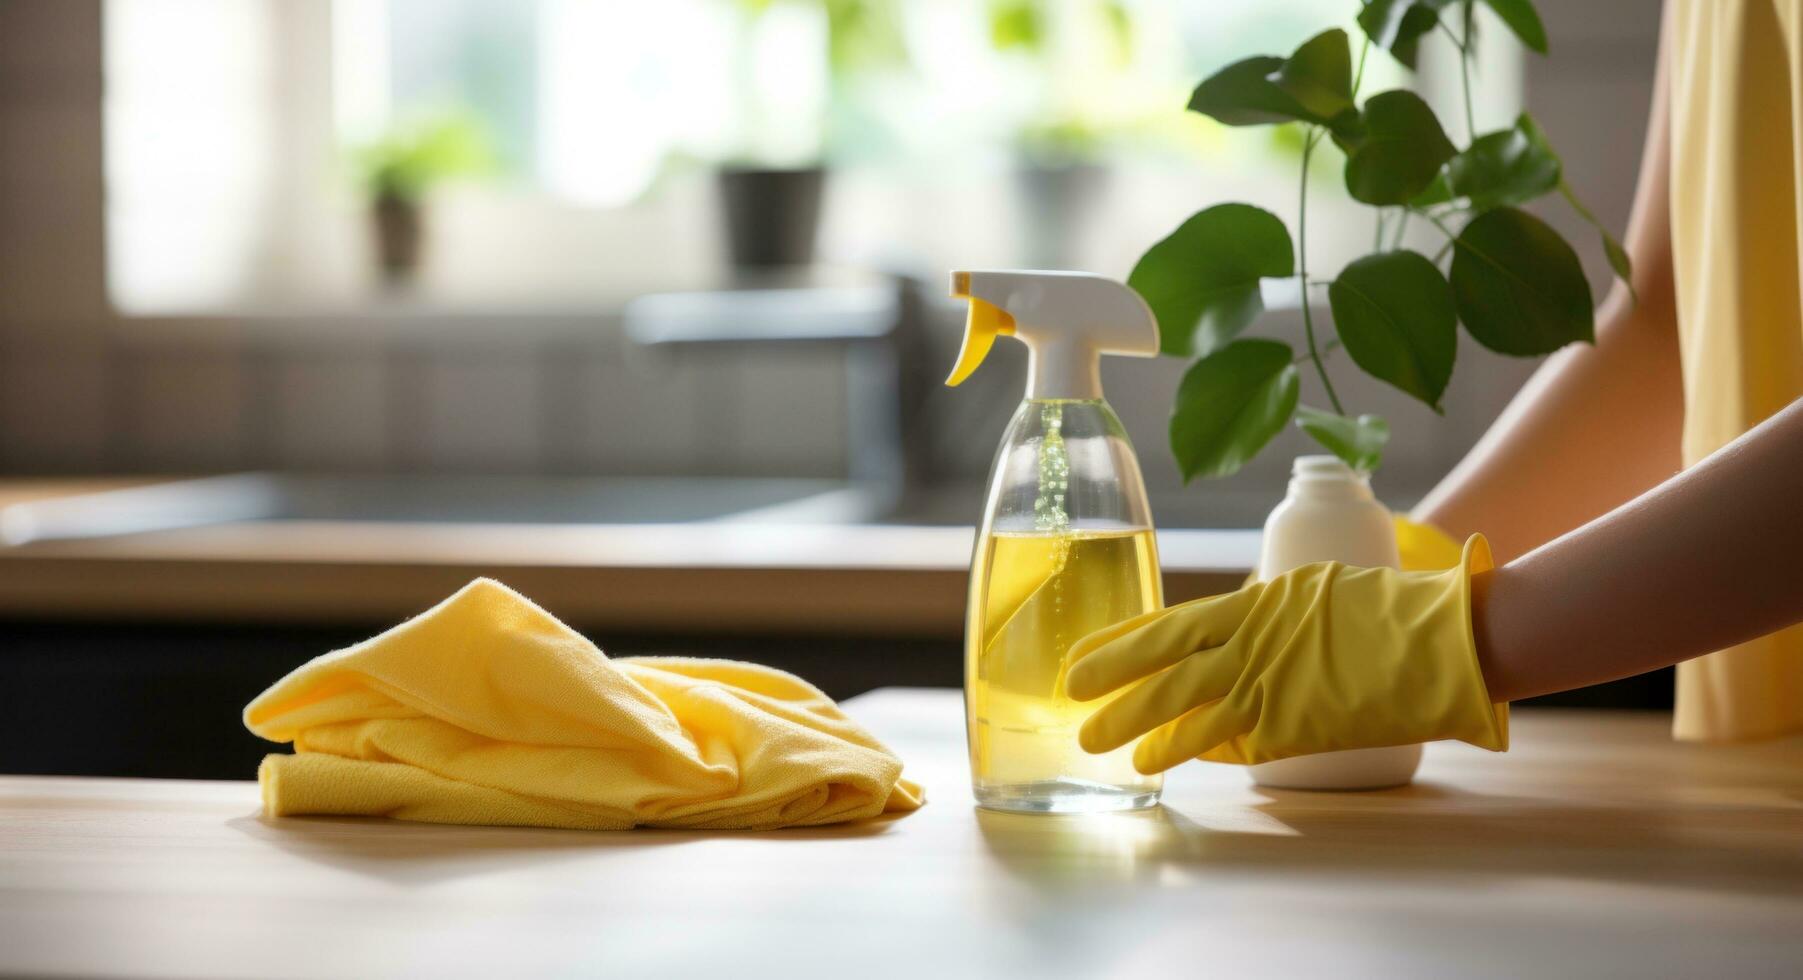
x,y
1706,560
1596,426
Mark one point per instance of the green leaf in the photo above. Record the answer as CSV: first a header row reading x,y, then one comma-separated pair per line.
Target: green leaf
x,y
1519,287
862,35
1509,166
1305,87
1618,256
1120,26
1230,404
1524,20
1620,263
1400,152
1241,94
1319,75
1438,192
1016,24
1381,20
1359,442
1395,314
1397,26
1201,281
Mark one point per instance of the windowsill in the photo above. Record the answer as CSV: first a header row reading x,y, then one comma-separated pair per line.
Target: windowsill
x,y
406,314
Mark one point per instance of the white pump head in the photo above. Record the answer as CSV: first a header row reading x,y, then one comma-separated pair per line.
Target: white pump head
x,y
1068,320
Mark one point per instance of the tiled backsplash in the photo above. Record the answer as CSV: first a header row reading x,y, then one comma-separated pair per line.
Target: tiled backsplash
x,y
593,405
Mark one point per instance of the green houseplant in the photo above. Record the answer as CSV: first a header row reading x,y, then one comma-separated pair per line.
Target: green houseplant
x,y
398,171
1509,278
771,202
1059,176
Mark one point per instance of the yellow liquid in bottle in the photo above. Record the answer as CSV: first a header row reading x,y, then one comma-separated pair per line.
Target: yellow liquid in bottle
x,y
1033,595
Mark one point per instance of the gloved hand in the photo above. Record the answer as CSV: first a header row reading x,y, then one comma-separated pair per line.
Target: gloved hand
x,y
1321,658
1424,547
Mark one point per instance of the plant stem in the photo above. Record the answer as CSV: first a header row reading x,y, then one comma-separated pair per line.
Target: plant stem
x,y
1378,243
1465,75
1464,46
1327,350
1402,223
1358,76
1450,237
1308,322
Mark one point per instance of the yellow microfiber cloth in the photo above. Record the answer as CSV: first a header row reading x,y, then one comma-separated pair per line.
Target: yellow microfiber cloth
x,y
487,710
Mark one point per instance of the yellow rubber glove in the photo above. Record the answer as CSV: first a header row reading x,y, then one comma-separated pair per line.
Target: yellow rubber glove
x,y
1321,658
1424,547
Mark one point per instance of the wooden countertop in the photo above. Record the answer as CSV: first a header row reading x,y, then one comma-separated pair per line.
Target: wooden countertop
x,y
1596,847
797,578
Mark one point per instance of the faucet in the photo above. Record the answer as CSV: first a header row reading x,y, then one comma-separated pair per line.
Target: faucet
x,y
875,320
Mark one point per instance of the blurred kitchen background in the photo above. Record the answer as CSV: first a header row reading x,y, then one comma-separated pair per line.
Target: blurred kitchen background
x,y
410,273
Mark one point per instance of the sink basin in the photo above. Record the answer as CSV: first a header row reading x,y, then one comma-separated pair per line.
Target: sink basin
x,y
440,499
592,500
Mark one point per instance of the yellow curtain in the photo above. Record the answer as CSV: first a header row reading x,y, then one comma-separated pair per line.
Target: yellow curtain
x,y
1736,180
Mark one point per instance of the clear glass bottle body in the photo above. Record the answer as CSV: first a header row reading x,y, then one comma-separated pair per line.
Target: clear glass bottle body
x,y
1066,548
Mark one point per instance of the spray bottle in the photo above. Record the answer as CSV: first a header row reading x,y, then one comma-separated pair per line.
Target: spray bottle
x,y
1066,544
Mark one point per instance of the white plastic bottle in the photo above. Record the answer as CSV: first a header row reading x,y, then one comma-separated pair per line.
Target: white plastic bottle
x,y
1330,514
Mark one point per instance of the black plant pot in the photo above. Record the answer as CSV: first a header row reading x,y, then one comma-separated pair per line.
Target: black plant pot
x,y
1057,203
399,227
772,216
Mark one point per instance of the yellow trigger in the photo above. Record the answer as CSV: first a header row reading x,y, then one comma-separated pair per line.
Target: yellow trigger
x,y
985,321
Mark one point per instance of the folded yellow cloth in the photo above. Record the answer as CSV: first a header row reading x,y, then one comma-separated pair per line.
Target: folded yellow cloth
x,y
487,710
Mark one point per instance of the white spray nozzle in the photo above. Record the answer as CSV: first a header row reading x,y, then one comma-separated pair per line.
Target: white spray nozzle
x,y
1068,320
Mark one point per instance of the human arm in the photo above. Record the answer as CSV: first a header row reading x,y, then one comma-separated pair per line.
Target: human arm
x,y
1596,425
1327,657
1706,560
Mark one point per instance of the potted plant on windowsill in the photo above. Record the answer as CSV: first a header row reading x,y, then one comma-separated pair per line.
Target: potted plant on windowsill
x,y
1508,277
771,195
397,173
1060,176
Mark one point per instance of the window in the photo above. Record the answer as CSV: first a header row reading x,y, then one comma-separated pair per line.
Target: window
x,y
234,127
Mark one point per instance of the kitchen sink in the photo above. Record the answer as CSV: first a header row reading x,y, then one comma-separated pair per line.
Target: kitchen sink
x,y
441,499
497,499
